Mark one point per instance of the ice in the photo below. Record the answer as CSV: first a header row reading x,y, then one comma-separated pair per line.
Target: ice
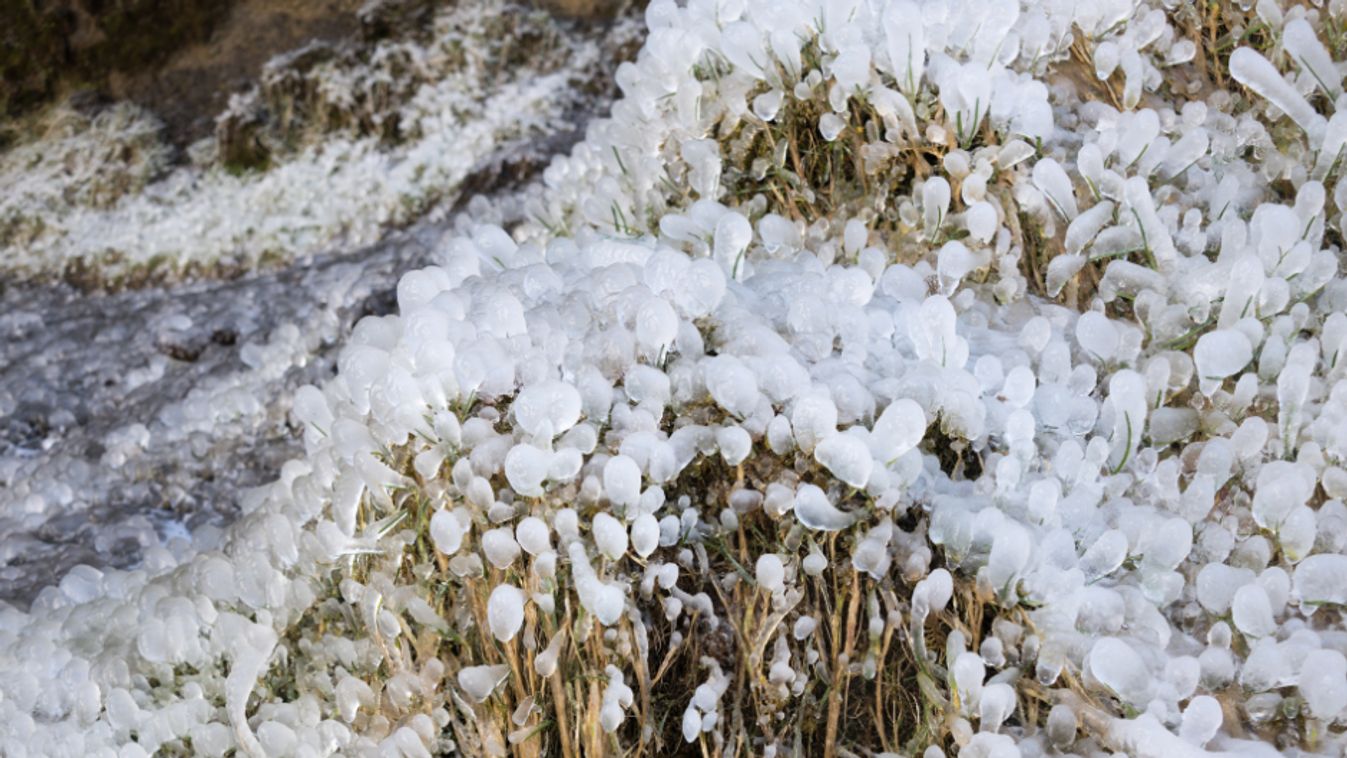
x,y
1052,180
610,536
813,418
770,573
732,236
526,467
847,457
1303,47
814,510
1323,683
732,385
968,672
1251,69
645,534
1202,719
446,531
1318,580
480,681
935,203
735,444
550,402
830,126
906,44
622,481
500,547
533,535
1116,665
1252,611
1097,335
1221,353
605,600
656,325
505,611
692,724
703,159
1105,555
995,706
1011,548
1061,726
981,221
1282,486
577,373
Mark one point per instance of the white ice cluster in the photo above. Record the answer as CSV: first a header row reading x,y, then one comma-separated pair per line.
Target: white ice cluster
x,y
79,194
1135,454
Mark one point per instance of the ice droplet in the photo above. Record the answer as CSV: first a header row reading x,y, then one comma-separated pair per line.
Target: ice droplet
x,y
1252,611
899,429
604,600
1117,666
1323,683
505,611
770,572
1104,556
526,467
815,512
610,536
1097,335
1251,69
622,481
735,444
1053,182
1318,579
500,547
645,534
847,457
656,325
480,681
1201,720
446,532
1221,353
732,385
554,402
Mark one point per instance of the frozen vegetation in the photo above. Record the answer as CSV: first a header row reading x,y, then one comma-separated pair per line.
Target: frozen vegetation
x,y
880,378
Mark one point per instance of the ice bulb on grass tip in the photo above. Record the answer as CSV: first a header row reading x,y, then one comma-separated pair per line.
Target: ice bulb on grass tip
x,y
480,681
505,611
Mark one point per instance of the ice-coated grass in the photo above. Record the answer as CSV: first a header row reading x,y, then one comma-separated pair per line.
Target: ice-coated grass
x,y
1072,483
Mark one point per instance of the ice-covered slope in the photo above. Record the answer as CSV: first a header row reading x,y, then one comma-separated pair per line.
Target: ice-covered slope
x,y
867,344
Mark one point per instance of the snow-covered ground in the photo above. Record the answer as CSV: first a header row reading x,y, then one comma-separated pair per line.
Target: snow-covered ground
x,y
854,320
